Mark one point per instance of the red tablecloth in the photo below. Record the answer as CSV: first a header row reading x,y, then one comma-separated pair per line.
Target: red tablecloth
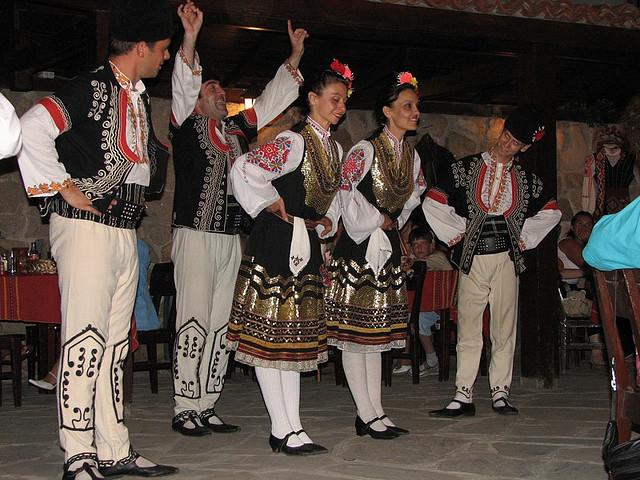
x,y
439,290
30,298
36,299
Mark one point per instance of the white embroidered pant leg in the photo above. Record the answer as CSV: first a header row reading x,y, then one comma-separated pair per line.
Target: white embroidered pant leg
x,y
98,275
473,295
503,301
206,266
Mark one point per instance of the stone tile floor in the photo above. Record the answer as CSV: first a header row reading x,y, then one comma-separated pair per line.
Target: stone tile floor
x,y
557,435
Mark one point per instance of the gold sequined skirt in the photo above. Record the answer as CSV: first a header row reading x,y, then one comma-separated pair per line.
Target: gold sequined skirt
x,y
366,313
277,322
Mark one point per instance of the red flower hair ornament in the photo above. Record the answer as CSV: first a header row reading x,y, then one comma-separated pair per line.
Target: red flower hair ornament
x,y
344,71
408,78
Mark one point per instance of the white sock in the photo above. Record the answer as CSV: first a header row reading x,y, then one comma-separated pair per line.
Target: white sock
x,y
432,359
291,393
373,364
193,423
271,386
460,398
144,462
356,373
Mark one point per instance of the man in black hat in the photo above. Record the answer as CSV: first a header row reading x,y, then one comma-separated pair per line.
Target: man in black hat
x,y
489,210
207,221
90,154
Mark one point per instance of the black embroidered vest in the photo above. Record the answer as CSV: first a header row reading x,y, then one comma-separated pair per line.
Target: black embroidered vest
x,y
202,199
462,181
318,173
91,115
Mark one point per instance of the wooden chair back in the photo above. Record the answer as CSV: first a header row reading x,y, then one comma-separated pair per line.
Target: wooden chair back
x,y
619,295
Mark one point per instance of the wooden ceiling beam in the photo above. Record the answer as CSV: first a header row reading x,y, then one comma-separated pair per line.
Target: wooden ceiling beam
x,y
469,79
387,22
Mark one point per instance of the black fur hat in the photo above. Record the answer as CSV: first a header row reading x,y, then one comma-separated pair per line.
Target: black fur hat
x,y
141,20
525,125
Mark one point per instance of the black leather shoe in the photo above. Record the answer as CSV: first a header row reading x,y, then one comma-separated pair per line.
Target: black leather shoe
x,y
280,445
506,409
466,410
398,430
217,427
363,429
89,469
132,468
316,449
179,422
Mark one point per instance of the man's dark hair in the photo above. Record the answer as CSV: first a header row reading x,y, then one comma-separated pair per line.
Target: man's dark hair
x,y
120,47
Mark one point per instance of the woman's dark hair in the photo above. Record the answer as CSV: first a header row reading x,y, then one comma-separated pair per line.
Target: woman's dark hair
x,y
389,94
574,219
323,79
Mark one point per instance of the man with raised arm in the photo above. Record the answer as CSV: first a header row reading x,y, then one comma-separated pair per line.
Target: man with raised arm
x,y
206,220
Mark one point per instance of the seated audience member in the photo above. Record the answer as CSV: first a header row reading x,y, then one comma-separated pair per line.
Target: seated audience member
x,y
424,252
574,268
574,272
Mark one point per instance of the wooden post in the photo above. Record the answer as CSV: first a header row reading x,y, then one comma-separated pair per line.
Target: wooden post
x,y
539,283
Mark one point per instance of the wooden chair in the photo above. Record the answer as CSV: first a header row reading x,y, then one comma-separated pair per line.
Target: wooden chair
x,y
415,287
439,295
574,336
430,291
12,343
163,292
618,294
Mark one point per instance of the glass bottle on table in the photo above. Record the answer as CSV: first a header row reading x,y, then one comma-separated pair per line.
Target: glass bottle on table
x,y
33,254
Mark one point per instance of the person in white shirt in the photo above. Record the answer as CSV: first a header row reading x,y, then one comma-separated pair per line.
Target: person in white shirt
x,y
207,220
10,132
367,299
277,320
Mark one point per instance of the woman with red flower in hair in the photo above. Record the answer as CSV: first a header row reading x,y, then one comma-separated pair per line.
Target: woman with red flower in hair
x,y
367,300
277,320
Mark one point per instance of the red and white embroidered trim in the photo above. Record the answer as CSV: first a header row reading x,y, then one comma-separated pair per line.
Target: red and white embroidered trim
x,y
455,239
295,73
250,117
521,245
271,156
438,195
421,180
58,113
196,71
352,169
48,187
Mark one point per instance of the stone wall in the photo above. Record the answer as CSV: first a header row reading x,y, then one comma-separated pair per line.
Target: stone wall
x,y
20,223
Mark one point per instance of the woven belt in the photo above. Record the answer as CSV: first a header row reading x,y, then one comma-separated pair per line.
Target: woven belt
x,y
129,211
310,224
489,245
